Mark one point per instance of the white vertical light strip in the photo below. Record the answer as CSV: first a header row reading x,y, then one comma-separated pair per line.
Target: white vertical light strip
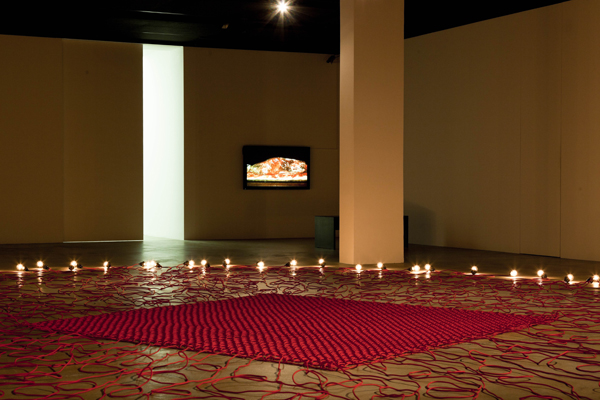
x,y
163,141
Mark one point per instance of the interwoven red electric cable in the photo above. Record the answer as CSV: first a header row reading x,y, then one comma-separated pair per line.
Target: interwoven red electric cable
x,y
558,360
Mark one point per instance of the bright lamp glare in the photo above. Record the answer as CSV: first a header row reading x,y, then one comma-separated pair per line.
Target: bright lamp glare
x,y
596,278
21,267
540,272
282,7
358,267
40,264
73,263
570,277
293,263
227,261
427,267
203,262
261,264
379,265
416,268
513,273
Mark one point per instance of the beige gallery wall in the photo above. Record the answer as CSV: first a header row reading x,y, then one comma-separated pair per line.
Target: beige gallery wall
x,y
235,98
482,135
70,140
580,141
31,140
103,140
502,133
462,136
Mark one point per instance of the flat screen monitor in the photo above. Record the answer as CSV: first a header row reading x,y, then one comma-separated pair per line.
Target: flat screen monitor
x,y
276,167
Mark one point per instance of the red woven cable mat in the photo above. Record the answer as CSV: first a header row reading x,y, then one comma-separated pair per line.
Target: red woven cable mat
x,y
313,331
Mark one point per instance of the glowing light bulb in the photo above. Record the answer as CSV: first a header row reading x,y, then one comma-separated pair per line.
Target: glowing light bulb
x,y
106,264
540,272
427,267
513,273
427,275
596,278
293,263
321,261
261,264
203,263
20,267
74,264
152,264
379,265
358,267
282,7
416,268
40,264
227,261
474,269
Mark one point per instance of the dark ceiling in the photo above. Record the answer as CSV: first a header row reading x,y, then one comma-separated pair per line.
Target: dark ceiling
x,y
312,25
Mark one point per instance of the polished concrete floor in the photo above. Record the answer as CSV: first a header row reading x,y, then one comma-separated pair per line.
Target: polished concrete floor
x,y
278,252
558,360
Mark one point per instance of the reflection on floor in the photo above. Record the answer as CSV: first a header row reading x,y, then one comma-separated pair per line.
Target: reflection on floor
x,y
558,360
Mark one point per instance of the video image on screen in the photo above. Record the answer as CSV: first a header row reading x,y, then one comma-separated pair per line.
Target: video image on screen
x,y
277,170
276,167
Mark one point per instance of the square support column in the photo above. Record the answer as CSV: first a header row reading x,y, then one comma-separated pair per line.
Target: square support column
x,y
371,131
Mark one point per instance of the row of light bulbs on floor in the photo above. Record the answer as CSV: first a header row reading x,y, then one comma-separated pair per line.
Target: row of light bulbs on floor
x,y
595,279
74,266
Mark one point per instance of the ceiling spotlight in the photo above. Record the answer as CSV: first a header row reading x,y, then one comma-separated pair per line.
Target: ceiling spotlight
x,y
474,269
513,273
358,267
282,7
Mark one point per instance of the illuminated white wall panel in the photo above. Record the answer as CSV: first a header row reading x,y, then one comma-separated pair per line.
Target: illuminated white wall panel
x,y
163,141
